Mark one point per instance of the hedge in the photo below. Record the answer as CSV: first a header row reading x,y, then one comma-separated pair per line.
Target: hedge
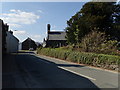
x,y
93,59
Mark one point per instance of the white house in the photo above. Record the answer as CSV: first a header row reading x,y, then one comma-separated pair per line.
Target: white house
x,y
12,43
20,46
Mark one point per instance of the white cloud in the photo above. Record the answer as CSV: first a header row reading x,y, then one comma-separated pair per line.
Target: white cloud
x,y
56,30
12,10
22,35
14,25
36,37
40,11
19,32
19,17
53,27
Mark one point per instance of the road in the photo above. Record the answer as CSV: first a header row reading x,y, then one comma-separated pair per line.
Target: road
x,y
27,70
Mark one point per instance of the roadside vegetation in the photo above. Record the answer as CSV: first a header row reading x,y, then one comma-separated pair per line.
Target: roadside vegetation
x,y
93,36
93,59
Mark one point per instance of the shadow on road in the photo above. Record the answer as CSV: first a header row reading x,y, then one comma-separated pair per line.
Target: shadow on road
x,y
69,65
41,73
27,52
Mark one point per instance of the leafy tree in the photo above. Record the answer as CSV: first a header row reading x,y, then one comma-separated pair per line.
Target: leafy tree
x,y
75,29
71,29
100,16
116,23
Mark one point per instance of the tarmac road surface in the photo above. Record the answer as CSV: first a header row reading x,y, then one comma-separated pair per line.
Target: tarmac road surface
x,y
28,70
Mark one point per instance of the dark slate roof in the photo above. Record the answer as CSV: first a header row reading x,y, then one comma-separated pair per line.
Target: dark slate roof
x,y
28,39
8,32
56,35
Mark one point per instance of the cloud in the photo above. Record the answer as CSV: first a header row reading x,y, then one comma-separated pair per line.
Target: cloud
x,y
14,25
17,17
54,26
56,30
19,32
22,35
12,10
36,37
40,11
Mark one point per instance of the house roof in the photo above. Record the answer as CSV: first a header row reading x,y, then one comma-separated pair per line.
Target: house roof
x,y
28,39
12,35
56,35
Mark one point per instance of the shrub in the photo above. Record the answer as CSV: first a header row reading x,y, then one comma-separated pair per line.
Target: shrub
x,y
92,41
98,60
97,42
73,57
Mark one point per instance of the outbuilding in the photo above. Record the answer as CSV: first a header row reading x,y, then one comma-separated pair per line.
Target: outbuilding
x,y
29,44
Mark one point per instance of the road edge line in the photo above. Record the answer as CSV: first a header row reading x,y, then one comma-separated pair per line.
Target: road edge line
x,y
76,73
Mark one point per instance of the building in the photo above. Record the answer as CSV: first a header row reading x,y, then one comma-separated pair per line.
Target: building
x,y
0,46
29,44
12,43
9,41
54,38
20,46
38,44
4,29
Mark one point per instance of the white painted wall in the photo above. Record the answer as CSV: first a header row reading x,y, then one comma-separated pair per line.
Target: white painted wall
x,y
20,46
12,43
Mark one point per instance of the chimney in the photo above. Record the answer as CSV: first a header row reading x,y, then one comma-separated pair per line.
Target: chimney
x,y
48,27
11,32
6,27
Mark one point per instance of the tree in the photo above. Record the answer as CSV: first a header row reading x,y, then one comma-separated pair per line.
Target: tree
x,y
75,29
71,29
116,23
98,16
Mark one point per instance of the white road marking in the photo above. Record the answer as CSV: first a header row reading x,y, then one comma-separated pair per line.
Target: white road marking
x,y
77,73
95,68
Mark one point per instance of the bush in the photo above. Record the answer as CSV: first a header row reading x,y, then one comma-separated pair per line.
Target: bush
x,y
98,60
92,41
98,43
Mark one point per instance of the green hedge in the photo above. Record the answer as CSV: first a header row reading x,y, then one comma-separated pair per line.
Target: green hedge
x,y
99,60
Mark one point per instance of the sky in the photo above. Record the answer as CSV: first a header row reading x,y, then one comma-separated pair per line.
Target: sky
x,y
30,19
